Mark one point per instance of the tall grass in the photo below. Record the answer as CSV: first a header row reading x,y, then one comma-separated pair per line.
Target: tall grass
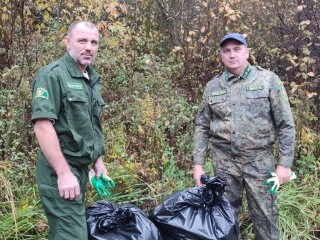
x,y
299,216
23,219
299,210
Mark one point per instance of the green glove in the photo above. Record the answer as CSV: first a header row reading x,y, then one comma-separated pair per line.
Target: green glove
x,y
102,184
274,181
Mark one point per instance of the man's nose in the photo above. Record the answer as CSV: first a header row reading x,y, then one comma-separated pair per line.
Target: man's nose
x,y
232,54
89,46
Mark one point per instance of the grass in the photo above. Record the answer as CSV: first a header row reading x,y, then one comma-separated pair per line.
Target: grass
x,y
22,217
299,211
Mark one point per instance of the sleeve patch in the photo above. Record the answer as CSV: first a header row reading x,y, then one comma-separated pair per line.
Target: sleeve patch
x,y
42,93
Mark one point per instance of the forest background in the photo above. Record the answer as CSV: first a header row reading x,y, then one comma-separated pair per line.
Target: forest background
x,y
155,58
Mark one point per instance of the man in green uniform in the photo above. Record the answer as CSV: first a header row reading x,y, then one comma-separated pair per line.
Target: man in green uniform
x,y
66,106
244,111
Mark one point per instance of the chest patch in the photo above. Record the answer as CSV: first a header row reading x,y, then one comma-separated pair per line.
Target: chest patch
x,y
255,88
218,93
74,85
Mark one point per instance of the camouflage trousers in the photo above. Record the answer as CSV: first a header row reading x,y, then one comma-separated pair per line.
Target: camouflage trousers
x,y
248,173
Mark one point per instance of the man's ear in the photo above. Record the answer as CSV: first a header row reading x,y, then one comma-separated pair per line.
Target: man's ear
x,y
66,41
248,52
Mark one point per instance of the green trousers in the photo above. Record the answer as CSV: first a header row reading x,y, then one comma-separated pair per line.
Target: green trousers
x,y
66,218
248,173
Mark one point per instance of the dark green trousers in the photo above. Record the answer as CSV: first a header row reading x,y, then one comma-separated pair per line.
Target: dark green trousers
x,y
66,218
248,173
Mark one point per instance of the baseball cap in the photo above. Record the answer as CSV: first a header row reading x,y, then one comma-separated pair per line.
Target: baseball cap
x,y
234,36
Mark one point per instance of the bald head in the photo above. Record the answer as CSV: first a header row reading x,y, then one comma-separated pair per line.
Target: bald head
x,y
73,25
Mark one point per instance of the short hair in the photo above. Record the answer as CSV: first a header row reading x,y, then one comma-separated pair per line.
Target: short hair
x,y
75,23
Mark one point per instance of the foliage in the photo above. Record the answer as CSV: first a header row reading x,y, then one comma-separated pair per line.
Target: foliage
x,y
299,211
155,58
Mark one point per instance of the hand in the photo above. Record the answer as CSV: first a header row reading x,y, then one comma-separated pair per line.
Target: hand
x,y
99,168
197,174
275,183
283,174
68,186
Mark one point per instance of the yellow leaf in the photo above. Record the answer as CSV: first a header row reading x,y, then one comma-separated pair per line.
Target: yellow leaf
x,y
203,40
4,17
46,17
140,130
113,42
294,87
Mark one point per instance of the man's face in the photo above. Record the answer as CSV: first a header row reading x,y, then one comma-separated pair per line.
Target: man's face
x,y
234,56
83,44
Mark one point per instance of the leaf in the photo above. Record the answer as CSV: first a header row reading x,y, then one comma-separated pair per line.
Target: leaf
x,y
124,8
311,74
294,87
113,42
176,49
300,8
311,95
203,40
306,22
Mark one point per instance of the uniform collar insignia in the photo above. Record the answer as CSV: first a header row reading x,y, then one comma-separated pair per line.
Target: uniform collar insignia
x,y
244,75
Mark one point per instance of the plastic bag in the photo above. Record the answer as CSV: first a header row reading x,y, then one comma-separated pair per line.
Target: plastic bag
x,y
198,213
106,220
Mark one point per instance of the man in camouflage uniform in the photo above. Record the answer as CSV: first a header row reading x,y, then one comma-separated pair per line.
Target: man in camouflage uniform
x,y
244,111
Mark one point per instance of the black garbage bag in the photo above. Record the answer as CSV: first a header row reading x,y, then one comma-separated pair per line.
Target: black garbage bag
x,y
107,220
198,213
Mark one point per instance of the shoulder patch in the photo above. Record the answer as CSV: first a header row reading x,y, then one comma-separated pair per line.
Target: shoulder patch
x,y
41,93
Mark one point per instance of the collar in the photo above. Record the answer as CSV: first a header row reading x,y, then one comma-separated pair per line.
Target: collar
x,y
244,75
74,69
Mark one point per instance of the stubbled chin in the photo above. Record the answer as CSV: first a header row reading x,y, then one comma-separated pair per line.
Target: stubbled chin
x,y
233,65
86,62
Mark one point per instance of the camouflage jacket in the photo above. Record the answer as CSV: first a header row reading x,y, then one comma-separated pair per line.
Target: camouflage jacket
x,y
243,114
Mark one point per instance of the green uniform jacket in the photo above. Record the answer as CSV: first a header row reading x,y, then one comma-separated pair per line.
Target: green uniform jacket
x,y
245,114
63,94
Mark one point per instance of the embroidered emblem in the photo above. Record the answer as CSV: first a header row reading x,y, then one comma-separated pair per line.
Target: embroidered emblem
x,y
218,93
255,88
42,93
246,72
74,85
